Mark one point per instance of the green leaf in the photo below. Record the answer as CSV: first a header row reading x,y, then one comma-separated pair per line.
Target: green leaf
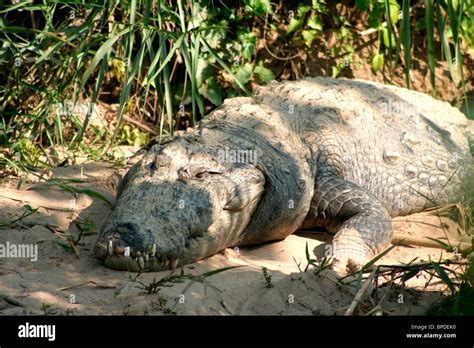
x,y
336,70
363,4
376,16
24,6
319,5
294,25
314,22
225,67
377,62
248,40
455,4
394,8
303,10
440,242
215,35
410,274
77,190
99,55
203,71
244,73
30,208
309,36
378,257
385,37
264,74
140,138
444,277
306,250
212,92
217,271
343,33
257,7
150,78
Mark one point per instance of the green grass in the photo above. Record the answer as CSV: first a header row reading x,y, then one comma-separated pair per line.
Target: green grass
x,y
460,302
70,58
27,212
167,61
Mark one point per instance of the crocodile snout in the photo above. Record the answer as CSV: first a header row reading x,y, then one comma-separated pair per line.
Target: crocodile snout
x,y
125,249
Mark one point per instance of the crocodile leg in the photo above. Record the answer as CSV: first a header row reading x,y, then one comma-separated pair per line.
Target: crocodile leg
x,y
362,225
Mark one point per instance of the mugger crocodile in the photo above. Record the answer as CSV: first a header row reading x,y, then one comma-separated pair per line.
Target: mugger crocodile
x,y
346,155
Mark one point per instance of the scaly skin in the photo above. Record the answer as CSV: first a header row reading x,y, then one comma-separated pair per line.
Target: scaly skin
x,y
343,154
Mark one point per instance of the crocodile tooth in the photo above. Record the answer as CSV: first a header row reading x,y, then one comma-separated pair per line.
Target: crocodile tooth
x,y
153,250
141,262
147,257
126,252
173,263
110,248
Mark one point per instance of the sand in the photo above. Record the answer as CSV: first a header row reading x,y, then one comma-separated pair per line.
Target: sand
x,y
70,281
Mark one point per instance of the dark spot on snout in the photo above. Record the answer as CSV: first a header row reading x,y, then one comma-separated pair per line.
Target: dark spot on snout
x,y
129,235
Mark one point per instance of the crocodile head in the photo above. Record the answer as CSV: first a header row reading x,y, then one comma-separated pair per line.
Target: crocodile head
x,y
177,205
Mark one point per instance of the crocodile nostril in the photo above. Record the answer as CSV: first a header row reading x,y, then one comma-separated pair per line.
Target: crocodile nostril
x,y
126,228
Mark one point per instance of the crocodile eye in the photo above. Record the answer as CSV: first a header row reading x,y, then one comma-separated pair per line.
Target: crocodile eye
x,y
190,173
202,173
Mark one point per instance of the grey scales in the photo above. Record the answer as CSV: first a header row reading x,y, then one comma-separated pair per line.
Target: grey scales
x,y
345,155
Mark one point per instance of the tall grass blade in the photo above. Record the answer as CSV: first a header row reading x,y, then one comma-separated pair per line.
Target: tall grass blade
x,y
429,21
389,30
445,48
406,40
104,50
95,94
166,74
226,68
444,277
196,97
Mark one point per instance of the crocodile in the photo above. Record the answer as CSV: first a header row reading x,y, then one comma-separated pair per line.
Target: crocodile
x,y
345,155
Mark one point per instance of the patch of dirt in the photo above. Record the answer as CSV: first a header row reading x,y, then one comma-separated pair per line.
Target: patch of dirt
x,y
69,280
